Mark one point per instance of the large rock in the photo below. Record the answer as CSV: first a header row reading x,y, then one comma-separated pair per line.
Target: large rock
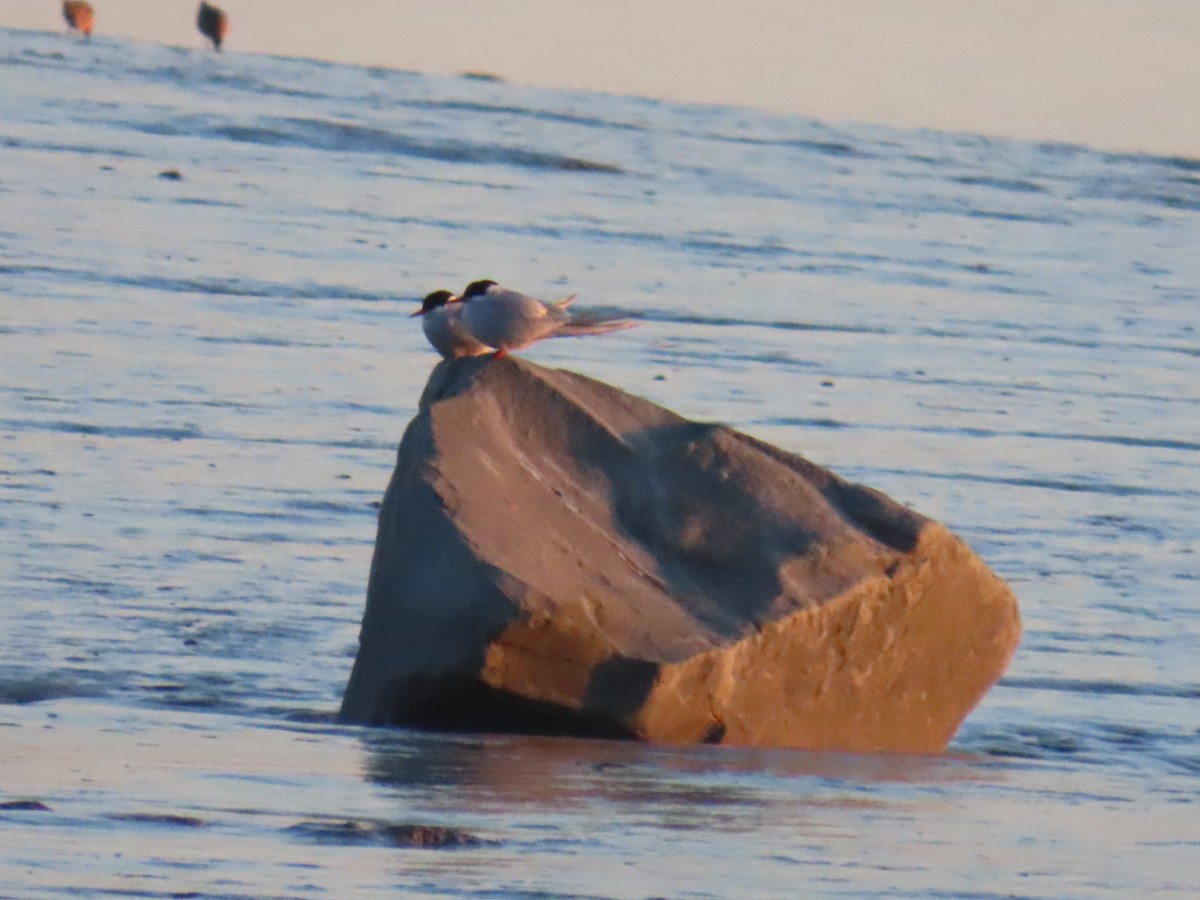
x,y
555,555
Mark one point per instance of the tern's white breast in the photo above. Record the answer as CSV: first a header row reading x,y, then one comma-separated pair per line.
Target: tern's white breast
x,y
450,337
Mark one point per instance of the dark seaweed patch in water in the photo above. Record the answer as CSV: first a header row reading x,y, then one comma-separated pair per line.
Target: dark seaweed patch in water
x,y
173,820
350,832
482,76
21,691
23,806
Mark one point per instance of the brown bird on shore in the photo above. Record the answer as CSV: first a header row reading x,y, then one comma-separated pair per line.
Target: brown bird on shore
x,y
213,23
79,16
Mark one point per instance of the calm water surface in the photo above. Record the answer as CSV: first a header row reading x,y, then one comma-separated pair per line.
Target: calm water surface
x,y
206,263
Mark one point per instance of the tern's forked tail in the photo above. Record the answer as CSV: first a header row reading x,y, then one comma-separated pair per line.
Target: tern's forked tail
x,y
591,323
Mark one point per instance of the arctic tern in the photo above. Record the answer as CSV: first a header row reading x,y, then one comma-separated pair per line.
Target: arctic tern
x,y
441,320
507,320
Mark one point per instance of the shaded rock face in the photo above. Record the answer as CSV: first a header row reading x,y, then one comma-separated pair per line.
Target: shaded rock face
x,y
557,556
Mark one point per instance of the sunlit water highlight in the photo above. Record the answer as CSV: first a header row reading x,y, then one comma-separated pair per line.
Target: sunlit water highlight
x,y
203,380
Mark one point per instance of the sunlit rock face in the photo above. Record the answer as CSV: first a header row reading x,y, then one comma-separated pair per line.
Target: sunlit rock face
x,y
557,556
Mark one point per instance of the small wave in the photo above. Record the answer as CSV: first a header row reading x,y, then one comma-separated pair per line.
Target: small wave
x,y
1118,440
1127,737
346,137
828,148
28,56
231,287
1177,201
258,340
724,245
90,586
67,426
1019,334
1170,161
1018,185
14,143
718,250
835,148
1103,488
337,444
208,512
1187,763
1186,163
324,506
1168,182
251,84
653,314
1029,742
186,75
1011,216
1105,688
540,115
205,201
794,422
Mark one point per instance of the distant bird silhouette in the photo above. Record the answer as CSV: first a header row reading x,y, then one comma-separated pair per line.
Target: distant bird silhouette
x,y
79,16
213,23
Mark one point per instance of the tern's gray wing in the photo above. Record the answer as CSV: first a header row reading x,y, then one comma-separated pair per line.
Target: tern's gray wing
x,y
523,307
510,320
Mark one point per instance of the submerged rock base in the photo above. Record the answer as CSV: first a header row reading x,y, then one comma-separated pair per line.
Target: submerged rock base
x,y
557,556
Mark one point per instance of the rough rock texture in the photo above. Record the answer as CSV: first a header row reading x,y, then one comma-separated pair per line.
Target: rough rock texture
x,y
555,555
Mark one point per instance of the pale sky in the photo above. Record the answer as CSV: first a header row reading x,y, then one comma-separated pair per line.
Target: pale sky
x,y
1117,74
